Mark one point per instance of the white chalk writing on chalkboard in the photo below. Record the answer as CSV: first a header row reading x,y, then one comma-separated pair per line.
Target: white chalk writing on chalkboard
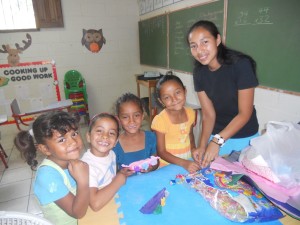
x,y
260,17
180,45
157,24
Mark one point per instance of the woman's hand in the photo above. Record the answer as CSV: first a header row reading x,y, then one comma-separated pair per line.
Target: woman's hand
x,y
211,153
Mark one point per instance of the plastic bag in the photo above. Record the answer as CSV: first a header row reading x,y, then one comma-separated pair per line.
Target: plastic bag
x,y
233,198
275,154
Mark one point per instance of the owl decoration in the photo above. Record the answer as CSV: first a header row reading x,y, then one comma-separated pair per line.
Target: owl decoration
x,y
93,40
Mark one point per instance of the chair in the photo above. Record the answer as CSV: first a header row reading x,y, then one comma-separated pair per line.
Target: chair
x,y
74,83
75,89
12,217
16,114
3,155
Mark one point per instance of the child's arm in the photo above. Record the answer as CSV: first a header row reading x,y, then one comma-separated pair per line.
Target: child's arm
x,y
192,139
76,206
152,146
190,166
100,197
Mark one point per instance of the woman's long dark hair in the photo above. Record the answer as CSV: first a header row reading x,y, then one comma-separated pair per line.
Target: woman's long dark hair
x,y
225,55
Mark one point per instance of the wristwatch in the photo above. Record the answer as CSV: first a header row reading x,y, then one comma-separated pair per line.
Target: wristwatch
x,y
220,140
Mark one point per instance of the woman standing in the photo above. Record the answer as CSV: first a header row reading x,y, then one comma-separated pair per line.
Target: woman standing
x,y
224,80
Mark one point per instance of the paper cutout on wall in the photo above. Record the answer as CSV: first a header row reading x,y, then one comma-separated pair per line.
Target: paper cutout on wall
x,y
93,40
13,57
3,81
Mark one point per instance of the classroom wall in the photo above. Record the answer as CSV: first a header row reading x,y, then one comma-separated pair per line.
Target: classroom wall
x,y
108,73
270,104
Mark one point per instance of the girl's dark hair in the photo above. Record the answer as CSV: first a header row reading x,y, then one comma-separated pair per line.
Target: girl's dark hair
x,y
104,115
225,55
42,129
129,97
164,79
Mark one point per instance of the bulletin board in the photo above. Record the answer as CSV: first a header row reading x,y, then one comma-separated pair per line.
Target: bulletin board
x,y
33,84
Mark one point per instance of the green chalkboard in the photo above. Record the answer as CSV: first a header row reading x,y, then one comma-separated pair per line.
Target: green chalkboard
x,y
180,21
269,31
153,41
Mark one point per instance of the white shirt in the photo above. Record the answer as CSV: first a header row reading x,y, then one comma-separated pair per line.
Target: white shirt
x,y
102,169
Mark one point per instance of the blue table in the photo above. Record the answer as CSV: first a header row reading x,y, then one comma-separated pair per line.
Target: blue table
x,y
183,205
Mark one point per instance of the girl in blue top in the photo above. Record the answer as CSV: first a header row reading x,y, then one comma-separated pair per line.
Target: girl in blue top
x,y
62,180
134,144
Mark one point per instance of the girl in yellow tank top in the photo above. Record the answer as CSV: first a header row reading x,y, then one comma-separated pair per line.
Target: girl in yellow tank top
x,y
174,125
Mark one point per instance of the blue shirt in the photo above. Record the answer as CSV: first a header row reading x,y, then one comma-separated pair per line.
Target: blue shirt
x,y
49,185
129,157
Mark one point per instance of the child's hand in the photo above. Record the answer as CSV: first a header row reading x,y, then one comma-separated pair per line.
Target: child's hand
x,y
122,175
150,168
197,154
191,166
79,171
126,171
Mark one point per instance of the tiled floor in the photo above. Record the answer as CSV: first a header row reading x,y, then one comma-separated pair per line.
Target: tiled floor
x,y
16,192
16,189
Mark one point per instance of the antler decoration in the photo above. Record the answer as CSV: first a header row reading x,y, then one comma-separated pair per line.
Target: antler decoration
x,y
26,44
13,57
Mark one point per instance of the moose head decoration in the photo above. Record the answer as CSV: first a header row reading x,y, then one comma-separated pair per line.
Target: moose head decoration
x,y
13,57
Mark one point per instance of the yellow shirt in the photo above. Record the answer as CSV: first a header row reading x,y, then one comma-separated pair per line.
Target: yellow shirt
x,y
177,138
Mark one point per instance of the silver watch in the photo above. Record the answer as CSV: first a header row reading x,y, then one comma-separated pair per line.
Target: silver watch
x,y
220,140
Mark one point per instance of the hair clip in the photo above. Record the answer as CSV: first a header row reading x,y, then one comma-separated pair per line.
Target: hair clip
x,y
31,132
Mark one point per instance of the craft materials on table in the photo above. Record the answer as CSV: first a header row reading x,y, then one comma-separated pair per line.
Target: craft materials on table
x,y
155,204
286,199
183,205
232,197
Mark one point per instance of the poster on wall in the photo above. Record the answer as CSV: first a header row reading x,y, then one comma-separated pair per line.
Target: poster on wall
x,y
33,84
147,6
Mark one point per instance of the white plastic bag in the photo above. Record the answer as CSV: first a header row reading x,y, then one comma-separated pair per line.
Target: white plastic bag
x,y
275,155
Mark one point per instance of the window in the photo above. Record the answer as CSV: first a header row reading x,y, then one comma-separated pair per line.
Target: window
x,y
30,14
16,14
